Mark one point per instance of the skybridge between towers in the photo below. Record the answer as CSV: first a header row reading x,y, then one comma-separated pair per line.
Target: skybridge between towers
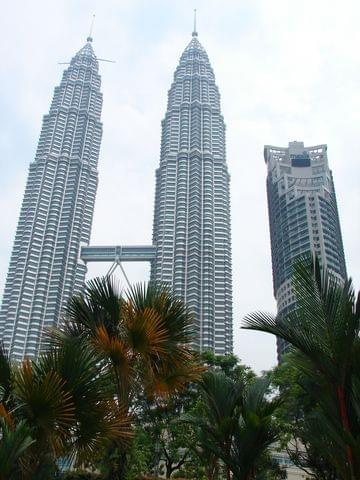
x,y
116,255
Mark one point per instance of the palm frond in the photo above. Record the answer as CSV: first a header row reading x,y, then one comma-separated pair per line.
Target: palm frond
x,y
324,324
6,416
177,320
235,423
15,442
112,347
170,380
99,304
45,404
5,374
223,395
146,332
107,423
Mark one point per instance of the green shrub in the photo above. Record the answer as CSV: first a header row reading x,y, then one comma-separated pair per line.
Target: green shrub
x,y
82,475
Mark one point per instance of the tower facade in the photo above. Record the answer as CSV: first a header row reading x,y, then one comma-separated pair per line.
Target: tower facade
x,y
57,209
303,216
192,206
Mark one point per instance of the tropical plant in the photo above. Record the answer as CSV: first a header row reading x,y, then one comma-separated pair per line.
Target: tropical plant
x,y
171,440
81,475
55,407
229,365
324,333
142,338
236,424
15,440
298,434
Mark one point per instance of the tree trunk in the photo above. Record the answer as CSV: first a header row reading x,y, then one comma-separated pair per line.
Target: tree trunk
x,y
346,426
119,474
212,470
228,474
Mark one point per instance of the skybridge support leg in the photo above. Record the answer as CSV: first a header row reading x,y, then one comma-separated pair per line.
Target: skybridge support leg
x,y
114,266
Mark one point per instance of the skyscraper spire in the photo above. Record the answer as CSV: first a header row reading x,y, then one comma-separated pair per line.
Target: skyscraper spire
x,y
194,33
89,38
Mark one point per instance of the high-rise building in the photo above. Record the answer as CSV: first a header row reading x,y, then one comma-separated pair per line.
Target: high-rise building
x,y
303,216
192,207
57,210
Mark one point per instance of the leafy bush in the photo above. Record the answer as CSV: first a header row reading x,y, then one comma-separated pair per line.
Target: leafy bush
x,y
82,475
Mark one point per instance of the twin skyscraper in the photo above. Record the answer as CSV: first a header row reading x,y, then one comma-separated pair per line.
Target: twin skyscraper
x,y
57,210
192,207
191,248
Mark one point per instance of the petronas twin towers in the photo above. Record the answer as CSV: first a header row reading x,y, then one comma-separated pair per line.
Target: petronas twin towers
x,y
191,233
192,206
57,210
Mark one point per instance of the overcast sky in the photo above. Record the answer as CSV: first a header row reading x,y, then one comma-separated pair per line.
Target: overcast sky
x,y
287,70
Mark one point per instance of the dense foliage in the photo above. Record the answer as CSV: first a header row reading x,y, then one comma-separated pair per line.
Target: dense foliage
x,y
120,395
58,406
324,332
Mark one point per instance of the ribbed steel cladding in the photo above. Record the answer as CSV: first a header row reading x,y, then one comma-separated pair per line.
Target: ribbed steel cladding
x,y
57,209
192,217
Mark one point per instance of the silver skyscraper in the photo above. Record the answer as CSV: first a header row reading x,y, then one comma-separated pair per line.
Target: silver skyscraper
x,y
192,207
303,216
57,210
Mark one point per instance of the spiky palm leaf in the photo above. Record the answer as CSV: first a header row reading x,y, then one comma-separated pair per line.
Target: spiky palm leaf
x,y
223,396
324,332
217,418
66,400
140,339
325,323
15,441
161,326
144,334
96,416
255,432
175,316
5,375
236,422
99,304
45,405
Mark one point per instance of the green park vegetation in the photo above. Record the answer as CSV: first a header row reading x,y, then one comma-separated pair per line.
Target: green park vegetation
x,y
120,395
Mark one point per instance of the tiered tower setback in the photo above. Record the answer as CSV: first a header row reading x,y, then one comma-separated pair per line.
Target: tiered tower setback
x,y
57,210
192,206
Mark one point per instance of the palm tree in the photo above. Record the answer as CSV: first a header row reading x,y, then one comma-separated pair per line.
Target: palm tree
x,y
142,338
15,441
235,424
57,406
324,332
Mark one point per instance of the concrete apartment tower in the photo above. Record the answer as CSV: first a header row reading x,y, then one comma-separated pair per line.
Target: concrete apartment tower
x,y
303,216
192,206
57,210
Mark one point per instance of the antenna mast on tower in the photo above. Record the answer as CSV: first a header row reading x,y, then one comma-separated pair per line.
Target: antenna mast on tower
x,y
194,33
89,38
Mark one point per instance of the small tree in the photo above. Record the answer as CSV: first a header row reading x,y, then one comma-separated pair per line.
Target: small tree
x,y
324,332
172,440
142,338
292,416
54,407
236,424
